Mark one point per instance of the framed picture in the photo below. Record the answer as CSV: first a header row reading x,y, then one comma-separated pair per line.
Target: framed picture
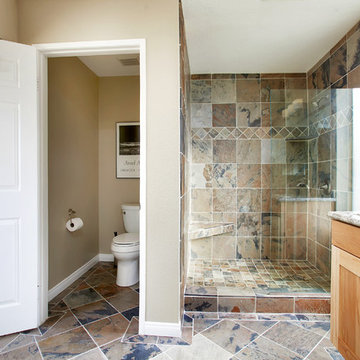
x,y
128,150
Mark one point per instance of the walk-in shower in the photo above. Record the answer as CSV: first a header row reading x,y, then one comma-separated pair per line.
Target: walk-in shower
x,y
271,154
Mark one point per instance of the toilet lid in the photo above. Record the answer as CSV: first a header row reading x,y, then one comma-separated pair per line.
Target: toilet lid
x,y
126,239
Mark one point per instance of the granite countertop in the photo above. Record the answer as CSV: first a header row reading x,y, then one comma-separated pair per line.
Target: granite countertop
x,y
202,230
349,217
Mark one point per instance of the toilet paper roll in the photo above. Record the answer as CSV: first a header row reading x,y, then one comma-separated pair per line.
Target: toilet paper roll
x,y
74,224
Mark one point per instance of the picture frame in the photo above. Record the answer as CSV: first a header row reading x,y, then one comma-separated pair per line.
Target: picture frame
x,y
128,150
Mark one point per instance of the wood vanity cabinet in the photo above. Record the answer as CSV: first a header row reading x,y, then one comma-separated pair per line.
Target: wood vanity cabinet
x,y
345,289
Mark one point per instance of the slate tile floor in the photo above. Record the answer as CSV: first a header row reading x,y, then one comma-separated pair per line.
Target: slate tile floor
x,y
99,321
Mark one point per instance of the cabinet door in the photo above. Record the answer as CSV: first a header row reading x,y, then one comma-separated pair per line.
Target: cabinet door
x,y
345,303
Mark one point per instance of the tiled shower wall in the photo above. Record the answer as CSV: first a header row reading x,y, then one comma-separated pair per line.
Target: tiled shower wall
x,y
247,154
255,140
330,84
185,150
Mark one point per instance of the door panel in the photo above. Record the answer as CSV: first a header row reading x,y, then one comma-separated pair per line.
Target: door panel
x,y
9,146
9,237
19,242
9,72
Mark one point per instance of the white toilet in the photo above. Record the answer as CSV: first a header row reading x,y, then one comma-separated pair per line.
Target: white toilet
x,y
125,247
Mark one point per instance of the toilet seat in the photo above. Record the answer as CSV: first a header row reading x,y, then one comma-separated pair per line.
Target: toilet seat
x,y
126,239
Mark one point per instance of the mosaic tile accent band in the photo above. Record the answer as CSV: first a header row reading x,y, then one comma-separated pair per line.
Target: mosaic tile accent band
x,y
227,133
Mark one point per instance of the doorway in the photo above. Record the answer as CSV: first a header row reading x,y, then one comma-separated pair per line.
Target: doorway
x,y
46,51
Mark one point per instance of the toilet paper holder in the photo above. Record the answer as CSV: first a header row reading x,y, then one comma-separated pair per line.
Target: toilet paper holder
x,y
71,215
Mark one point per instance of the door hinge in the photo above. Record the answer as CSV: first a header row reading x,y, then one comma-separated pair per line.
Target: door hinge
x,y
38,84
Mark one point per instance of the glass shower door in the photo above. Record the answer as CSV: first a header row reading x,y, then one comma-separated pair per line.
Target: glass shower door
x,y
312,172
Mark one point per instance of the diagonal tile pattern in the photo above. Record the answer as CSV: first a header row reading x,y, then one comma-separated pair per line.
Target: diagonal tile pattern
x,y
118,350
230,336
94,354
30,352
100,330
94,311
108,329
124,300
278,336
301,341
266,349
81,297
201,349
66,345
65,323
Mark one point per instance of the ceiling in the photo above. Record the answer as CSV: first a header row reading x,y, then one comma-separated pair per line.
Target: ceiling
x,y
109,65
245,36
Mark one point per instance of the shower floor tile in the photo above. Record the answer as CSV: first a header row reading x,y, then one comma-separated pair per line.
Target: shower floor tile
x,y
246,277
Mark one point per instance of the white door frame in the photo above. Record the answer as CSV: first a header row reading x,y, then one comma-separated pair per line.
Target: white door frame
x,y
86,48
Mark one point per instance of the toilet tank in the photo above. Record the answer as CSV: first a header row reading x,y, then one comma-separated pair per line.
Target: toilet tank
x,y
130,213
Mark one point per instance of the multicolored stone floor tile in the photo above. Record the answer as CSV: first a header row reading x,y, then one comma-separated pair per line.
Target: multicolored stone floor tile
x,y
119,350
108,329
81,297
66,345
124,300
93,311
263,348
95,354
30,352
239,277
283,337
65,323
300,342
98,330
129,314
230,335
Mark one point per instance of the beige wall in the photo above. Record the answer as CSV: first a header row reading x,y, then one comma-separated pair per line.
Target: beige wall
x,y
73,165
119,101
157,21
8,20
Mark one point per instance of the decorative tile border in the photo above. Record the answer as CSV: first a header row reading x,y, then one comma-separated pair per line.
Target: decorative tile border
x,y
234,133
333,122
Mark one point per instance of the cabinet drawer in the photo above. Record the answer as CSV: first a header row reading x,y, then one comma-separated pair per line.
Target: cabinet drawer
x,y
346,237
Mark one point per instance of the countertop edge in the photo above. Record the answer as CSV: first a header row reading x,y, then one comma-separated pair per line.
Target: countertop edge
x,y
348,217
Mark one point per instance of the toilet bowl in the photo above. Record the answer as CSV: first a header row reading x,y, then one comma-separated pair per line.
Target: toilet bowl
x,y
126,248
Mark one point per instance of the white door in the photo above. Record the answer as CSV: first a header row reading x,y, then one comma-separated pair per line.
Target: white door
x,y
18,188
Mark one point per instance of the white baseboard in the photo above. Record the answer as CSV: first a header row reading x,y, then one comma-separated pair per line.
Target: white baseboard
x,y
106,257
61,286
148,328
161,329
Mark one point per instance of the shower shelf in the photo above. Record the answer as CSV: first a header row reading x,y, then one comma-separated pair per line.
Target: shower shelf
x,y
302,199
202,230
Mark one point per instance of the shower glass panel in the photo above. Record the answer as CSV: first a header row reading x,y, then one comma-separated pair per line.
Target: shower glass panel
x,y
311,173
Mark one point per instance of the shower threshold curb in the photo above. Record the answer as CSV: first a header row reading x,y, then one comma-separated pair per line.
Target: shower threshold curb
x,y
211,299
